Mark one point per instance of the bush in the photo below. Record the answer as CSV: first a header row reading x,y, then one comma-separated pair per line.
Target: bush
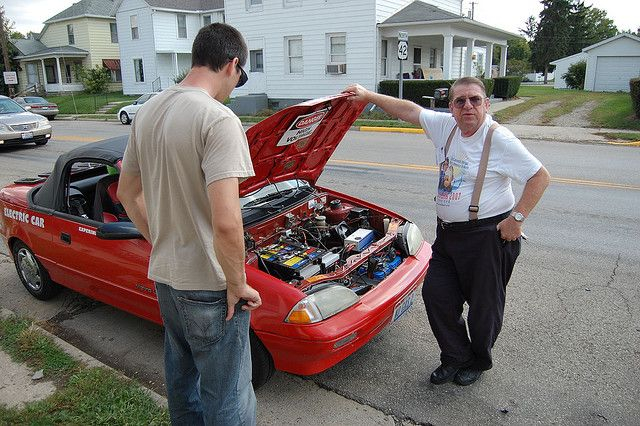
x,y
506,87
95,80
574,77
178,78
634,91
414,90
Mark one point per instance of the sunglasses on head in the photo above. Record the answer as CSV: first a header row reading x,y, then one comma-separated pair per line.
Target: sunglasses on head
x,y
475,101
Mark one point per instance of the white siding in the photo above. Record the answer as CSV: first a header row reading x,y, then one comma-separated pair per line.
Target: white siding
x,y
386,8
562,66
165,27
620,47
274,22
142,48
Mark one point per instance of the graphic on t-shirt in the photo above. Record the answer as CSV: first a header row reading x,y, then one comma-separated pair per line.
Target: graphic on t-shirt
x,y
451,177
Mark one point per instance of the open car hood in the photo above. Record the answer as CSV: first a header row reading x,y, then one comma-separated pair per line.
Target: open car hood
x,y
296,143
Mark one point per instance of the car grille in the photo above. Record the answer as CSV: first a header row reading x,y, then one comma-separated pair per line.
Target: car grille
x,y
24,127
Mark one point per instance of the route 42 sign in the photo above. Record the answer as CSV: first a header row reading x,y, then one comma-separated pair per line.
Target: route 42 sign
x,y
403,50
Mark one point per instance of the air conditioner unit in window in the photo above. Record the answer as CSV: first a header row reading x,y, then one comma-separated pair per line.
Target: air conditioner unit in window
x,y
337,69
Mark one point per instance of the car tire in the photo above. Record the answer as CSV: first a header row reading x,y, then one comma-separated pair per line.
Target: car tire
x,y
262,367
44,142
124,118
33,275
53,117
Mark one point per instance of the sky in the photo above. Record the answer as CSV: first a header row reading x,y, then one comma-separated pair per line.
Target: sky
x,y
509,15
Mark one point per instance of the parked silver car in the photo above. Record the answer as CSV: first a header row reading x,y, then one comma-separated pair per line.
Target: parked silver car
x,y
39,105
127,113
18,126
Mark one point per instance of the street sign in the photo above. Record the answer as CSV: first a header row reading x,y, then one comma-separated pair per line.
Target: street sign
x,y
403,50
10,77
403,36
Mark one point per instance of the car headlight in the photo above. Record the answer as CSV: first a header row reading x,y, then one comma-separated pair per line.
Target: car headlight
x,y
321,305
4,128
43,123
409,239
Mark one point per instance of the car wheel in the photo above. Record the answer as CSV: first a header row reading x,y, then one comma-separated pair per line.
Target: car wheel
x,y
51,118
44,142
32,274
124,118
262,363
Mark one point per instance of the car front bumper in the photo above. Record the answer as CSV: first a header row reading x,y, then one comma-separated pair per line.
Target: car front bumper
x,y
19,138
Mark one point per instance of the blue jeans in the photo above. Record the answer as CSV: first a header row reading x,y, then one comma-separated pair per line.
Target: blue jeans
x,y
207,360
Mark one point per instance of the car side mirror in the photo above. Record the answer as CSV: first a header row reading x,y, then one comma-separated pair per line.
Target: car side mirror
x,y
118,231
135,103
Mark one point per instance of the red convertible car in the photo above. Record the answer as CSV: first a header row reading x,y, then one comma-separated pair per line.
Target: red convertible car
x,y
332,270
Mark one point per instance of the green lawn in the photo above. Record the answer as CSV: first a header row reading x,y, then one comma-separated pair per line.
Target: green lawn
x,y
83,103
612,110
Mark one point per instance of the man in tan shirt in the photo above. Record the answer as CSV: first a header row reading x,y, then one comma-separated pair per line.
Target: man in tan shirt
x,y
186,155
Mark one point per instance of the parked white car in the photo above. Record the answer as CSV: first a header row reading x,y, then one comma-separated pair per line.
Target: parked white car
x,y
126,113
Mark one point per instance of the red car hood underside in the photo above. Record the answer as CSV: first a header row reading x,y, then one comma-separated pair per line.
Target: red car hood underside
x,y
296,143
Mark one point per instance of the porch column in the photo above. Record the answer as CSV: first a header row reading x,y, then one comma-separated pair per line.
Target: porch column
x,y
448,57
503,60
488,59
469,59
59,74
175,63
44,74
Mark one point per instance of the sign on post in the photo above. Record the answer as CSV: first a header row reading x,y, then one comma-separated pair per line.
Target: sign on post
x,y
403,54
10,77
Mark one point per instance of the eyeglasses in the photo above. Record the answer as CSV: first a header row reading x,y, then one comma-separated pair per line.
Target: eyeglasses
x,y
243,77
461,102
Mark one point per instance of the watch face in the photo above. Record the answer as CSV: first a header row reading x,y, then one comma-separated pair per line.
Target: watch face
x,y
519,217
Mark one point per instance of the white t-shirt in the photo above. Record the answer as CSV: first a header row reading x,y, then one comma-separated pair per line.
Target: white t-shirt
x,y
181,141
508,159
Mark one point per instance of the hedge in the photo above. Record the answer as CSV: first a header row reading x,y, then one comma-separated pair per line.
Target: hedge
x,y
506,87
634,91
414,90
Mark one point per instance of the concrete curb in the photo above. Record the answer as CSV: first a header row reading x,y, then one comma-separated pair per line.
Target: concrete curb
x,y
85,358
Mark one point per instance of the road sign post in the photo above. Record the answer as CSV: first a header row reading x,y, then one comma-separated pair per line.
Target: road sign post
x,y
403,53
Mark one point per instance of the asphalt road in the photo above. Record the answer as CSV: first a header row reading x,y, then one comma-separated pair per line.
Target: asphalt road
x,y
569,351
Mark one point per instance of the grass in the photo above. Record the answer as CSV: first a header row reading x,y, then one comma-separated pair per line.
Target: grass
x,y
84,103
96,396
612,110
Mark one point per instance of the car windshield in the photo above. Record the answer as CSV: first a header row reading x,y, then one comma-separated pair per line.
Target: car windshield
x,y
274,190
35,100
272,199
7,106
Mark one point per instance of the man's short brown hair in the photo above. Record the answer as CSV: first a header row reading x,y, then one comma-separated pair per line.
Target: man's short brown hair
x,y
463,81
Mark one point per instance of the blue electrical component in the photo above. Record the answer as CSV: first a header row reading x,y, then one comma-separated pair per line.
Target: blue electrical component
x,y
387,267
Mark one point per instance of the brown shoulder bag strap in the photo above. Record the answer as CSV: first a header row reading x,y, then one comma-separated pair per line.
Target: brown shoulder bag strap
x,y
482,171
446,147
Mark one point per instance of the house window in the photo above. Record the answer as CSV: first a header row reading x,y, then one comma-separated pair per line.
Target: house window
x,y
433,58
256,61
254,4
417,57
137,67
294,55
116,75
70,36
134,27
182,25
337,48
67,73
206,20
114,32
32,73
50,74
383,57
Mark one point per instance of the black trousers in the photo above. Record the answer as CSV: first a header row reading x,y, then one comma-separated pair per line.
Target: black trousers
x,y
470,263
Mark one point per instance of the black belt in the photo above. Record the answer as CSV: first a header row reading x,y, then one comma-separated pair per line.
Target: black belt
x,y
471,224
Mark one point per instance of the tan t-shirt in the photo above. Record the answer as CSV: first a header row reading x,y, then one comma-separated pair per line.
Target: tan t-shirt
x,y
181,141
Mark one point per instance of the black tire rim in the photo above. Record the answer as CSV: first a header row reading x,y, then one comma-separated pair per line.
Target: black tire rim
x,y
29,269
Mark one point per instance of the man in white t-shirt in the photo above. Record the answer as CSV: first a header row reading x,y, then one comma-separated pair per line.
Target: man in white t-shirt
x,y
186,155
473,257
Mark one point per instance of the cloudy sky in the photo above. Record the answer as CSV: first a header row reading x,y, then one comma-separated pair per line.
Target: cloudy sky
x,y
509,15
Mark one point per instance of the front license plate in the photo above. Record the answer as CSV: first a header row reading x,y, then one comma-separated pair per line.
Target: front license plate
x,y
27,135
403,305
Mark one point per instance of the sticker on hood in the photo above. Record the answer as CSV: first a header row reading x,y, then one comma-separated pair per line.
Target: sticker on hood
x,y
303,127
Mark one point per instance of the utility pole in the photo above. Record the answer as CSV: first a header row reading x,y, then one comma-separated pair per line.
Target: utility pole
x,y
5,51
473,8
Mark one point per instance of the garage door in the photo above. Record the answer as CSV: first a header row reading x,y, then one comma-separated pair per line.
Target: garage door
x,y
613,73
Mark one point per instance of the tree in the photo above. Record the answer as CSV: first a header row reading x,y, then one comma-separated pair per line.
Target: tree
x,y
553,34
601,27
530,28
8,51
95,80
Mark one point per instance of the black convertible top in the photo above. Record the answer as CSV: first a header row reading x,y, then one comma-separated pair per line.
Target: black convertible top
x,y
51,195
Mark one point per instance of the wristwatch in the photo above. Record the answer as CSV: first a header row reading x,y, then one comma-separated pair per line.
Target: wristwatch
x,y
519,217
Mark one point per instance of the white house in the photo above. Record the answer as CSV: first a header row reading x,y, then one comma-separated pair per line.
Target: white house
x,y
302,49
611,63
156,37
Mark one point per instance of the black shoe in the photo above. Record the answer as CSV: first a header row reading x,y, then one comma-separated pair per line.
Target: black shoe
x,y
466,376
443,374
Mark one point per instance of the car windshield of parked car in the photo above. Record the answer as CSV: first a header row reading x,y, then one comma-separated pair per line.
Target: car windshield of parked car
x,y
7,106
35,100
